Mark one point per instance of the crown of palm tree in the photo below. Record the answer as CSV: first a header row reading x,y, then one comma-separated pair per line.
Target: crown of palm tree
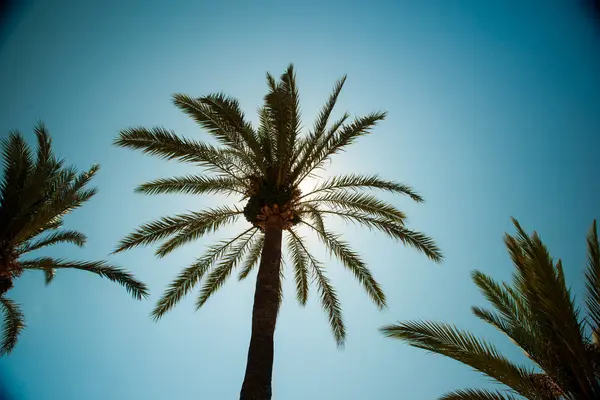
x,y
36,192
538,313
264,167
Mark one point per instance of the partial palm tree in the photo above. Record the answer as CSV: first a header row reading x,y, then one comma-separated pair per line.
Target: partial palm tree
x,y
539,314
36,192
264,167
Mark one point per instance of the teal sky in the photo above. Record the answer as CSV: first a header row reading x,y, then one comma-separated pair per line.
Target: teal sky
x,y
494,111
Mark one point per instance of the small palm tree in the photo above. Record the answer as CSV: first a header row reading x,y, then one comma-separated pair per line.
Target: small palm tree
x,y
538,313
264,167
36,192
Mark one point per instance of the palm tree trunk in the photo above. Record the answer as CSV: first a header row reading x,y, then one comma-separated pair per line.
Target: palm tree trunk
x,y
259,368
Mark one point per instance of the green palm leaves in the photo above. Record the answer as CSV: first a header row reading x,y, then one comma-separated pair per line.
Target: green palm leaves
x,y
264,166
538,313
36,192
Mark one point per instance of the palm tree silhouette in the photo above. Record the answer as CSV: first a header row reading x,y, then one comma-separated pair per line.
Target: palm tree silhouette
x,y
264,167
538,313
35,194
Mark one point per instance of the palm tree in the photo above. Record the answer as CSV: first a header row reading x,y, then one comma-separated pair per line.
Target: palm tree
x,y
538,313
36,192
264,167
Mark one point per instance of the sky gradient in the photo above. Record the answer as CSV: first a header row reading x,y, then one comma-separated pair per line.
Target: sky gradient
x,y
493,112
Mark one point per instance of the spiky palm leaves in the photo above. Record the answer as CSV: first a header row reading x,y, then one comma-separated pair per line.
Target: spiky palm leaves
x,y
36,192
264,166
538,313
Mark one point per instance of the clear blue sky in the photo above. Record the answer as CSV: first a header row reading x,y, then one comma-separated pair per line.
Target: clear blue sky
x,y
494,111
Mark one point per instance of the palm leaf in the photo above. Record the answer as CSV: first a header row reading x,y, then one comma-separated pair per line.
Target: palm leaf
x,y
253,257
394,230
592,276
193,225
337,140
204,222
352,261
189,277
66,236
353,181
358,202
192,184
166,144
136,288
222,118
308,143
477,394
217,277
307,167
13,322
49,274
464,347
300,265
328,294
539,280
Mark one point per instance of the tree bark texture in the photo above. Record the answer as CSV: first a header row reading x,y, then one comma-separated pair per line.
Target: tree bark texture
x,y
259,367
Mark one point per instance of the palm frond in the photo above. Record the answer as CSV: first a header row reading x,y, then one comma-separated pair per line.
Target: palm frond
x,y
189,277
203,223
282,104
521,335
52,225
44,145
267,138
68,192
394,230
217,277
552,309
353,181
193,184
477,394
314,214
18,167
464,347
308,144
337,141
352,261
66,236
223,118
358,202
312,151
292,107
277,108
14,323
513,319
300,265
253,256
499,296
136,288
166,144
328,294
49,274
193,223
592,276
18,162
330,303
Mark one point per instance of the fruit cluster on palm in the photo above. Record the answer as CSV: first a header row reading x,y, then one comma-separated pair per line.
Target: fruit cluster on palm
x,y
264,167
539,314
36,192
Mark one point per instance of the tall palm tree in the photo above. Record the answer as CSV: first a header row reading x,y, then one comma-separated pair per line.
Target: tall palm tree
x,y
36,192
264,167
539,314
